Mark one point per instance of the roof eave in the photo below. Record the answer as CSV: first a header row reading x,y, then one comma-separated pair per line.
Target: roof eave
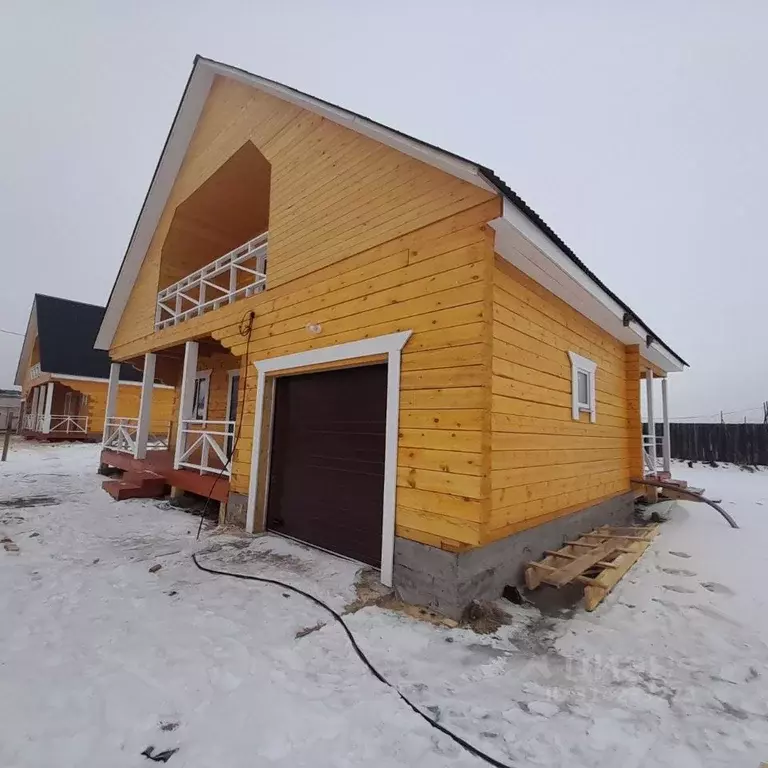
x,y
27,345
516,213
521,242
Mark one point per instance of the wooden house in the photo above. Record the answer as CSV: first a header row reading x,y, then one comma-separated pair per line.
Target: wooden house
x,y
377,346
64,379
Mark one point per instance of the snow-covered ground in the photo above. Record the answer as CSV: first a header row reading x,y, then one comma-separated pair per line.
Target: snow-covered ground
x,y
99,658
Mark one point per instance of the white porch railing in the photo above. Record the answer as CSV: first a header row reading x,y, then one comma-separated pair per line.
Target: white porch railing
x,y
205,445
648,442
77,425
120,435
203,290
32,422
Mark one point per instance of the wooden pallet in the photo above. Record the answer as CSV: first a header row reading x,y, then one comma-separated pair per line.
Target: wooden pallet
x,y
598,560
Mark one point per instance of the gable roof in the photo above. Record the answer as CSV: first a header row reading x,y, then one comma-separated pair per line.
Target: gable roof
x,y
66,331
573,282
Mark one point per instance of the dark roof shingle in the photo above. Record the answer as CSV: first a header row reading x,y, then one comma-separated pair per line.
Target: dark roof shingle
x,y
66,331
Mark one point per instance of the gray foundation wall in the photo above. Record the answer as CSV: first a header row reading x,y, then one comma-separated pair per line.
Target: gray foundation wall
x,y
448,581
235,511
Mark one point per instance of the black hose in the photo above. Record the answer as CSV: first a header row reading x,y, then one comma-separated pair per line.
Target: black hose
x,y
361,655
691,495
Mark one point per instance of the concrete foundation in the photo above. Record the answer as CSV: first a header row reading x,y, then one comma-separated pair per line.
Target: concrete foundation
x,y
235,511
448,581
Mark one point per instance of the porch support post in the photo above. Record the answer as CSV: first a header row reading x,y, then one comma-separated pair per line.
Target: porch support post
x,y
185,399
33,409
666,445
651,420
112,390
47,408
145,406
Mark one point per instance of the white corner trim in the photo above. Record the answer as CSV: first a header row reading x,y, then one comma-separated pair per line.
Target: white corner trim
x,y
523,244
583,365
390,345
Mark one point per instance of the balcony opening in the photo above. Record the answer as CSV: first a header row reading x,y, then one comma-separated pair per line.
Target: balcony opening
x,y
216,247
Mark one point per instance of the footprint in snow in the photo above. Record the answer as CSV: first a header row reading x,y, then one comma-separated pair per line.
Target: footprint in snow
x,y
679,554
719,589
676,588
678,571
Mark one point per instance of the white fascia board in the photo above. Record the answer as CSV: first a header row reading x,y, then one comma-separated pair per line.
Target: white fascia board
x,y
524,245
122,382
160,189
437,158
176,147
26,347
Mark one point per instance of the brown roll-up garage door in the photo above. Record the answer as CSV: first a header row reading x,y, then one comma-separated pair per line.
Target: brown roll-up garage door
x,y
326,480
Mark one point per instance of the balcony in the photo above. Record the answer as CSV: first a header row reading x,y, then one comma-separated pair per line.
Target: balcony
x,y
241,272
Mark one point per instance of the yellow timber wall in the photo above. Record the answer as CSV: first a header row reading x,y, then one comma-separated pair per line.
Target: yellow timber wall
x,y
363,241
545,464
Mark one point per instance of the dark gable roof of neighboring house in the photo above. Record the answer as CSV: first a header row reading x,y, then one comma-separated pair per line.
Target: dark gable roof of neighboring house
x,y
66,331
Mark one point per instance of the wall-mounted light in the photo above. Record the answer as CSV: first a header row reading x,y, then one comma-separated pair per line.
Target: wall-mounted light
x,y
314,327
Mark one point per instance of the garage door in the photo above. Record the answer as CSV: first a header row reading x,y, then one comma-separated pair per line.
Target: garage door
x,y
327,464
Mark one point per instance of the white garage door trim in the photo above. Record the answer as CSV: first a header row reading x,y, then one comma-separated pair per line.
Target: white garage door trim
x,y
390,345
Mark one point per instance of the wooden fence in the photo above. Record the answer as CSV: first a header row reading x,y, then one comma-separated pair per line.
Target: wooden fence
x,y
736,443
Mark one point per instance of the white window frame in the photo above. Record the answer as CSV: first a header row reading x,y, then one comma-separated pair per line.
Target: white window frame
x,y
580,364
207,376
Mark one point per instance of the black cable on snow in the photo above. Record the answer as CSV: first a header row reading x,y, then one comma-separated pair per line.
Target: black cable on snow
x,y
361,655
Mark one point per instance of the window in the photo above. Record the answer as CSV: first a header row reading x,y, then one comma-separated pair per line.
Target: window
x,y
200,396
582,386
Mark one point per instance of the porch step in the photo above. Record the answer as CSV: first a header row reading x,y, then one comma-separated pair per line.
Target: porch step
x,y
136,485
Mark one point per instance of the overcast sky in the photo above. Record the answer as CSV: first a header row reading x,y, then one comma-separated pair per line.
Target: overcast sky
x,y
637,130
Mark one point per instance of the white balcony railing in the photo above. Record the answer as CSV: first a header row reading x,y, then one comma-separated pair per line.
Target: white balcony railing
x,y
120,435
241,272
648,442
205,445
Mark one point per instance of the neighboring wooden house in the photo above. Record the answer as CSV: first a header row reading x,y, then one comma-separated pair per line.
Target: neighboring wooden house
x,y
412,368
64,379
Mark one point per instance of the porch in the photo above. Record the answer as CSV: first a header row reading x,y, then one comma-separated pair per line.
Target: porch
x,y
54,411
192,452
161,463
657,457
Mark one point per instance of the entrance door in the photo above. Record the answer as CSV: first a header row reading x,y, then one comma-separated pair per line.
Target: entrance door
x,y
326,482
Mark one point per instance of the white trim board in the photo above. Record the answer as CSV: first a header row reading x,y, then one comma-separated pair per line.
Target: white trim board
x,y
389,345
122,383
